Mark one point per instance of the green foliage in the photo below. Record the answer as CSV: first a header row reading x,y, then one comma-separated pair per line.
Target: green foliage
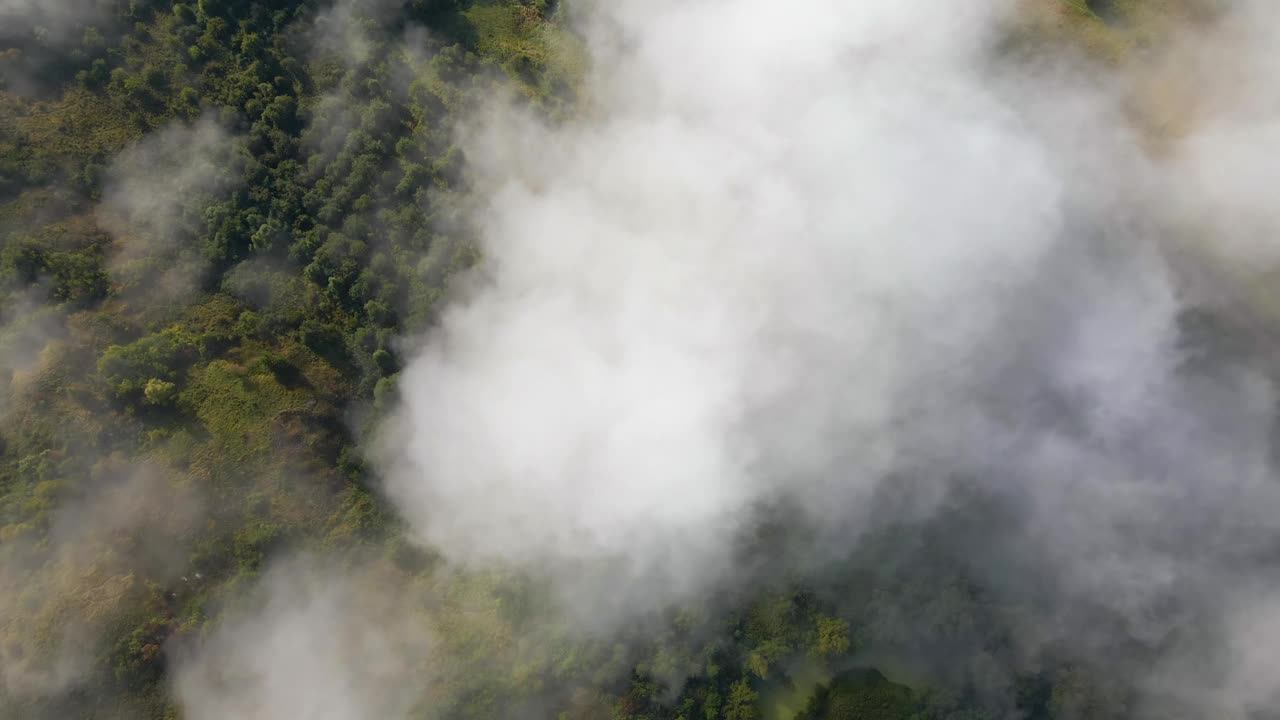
x,y
239,408
833,637
741,704
254,541
162,356
861,695
160,393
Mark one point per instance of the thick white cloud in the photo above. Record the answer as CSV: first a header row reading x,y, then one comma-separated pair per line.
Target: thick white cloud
x,y
795,249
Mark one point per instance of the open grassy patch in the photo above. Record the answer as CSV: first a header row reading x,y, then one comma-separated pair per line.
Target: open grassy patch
x,y
81,123
536,49
238,407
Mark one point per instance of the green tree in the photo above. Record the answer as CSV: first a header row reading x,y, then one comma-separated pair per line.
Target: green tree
x,y
743,702
127,369
159,392
833,637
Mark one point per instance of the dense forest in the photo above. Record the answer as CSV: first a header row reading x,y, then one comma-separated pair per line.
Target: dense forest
x,y
227,228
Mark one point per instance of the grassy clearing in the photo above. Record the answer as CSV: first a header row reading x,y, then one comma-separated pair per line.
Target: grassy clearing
x,y
238,407
81,124
534,48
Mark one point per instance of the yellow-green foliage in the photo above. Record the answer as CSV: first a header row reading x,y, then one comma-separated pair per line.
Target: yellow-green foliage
x,y
239,407
80,123
1125,26
520,38
506,32
833,637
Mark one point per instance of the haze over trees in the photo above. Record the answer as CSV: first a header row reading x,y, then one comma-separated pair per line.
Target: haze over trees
x,y
718,359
